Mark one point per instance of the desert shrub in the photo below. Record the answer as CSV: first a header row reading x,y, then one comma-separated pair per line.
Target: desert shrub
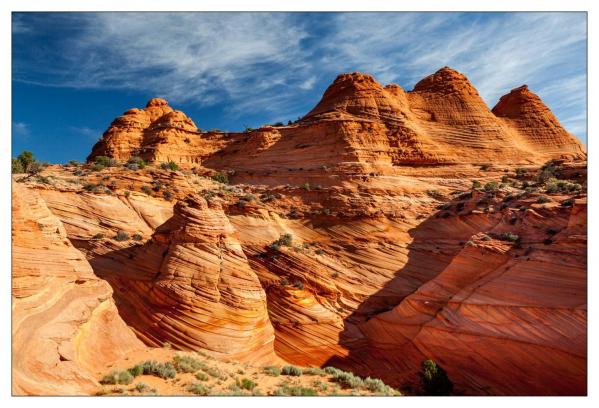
x,y
187,364
505,179
291,370
376,385
214,372
121,236
79,172
434,380
98,236
560,186
520,172
299,285
141,387
26,163
284,240
306,186
332,370
348,380
117,377
476,184
136,370
169,166
162,370
510,237
137,237
295,391
247,384
198,389
567,203
272,370
548,171
98,167
168,196
313,371
491,186
105,161
485,167
319,252
242,203
202,376
220,177
135,163
543,199
146,189
16,166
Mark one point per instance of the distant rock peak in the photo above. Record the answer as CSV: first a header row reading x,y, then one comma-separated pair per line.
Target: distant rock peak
x,y
156,102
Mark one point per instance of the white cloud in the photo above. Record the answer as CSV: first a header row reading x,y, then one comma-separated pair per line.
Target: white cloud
x,y
21,129
85,131
260,62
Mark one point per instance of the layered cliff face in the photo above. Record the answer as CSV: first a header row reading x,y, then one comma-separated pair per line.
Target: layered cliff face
x,y
361,127
355,237
65,324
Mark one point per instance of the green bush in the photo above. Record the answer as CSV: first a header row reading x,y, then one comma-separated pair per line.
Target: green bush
x,y
508,236
169,166
284,240
567,203
198,389
26,158
121,236
135,163
162,370
201,376
476,184
187,364
549,170
136,370
291,370
520,172
117,377
168,196
247,384
272,370
141,387
543,199
17,166
137,237
313,371
434,380
105,161
220,177
491,186
377,386
348,380
146,189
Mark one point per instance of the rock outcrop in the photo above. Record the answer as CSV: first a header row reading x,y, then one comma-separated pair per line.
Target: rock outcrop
x,y
65,324
191,286
360,236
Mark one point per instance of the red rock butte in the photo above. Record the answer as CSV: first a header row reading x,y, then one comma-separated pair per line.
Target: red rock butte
x,y
383,228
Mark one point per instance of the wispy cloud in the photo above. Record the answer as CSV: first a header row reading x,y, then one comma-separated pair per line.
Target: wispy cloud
x,y
21,129
260,62
85,132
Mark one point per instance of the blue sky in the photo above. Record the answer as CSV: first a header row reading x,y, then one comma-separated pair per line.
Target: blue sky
x,y
73,73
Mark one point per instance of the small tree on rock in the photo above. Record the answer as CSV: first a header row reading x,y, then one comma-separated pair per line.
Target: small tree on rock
x,y
434,380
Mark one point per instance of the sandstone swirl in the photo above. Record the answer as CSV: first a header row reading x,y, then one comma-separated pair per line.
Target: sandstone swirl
x,y
65,324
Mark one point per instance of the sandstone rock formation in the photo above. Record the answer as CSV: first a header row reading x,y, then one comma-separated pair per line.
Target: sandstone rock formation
x,y
366,127
65,323
389,256
191,286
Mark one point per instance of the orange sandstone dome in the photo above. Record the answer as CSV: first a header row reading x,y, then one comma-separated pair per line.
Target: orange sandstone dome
x,y
442,120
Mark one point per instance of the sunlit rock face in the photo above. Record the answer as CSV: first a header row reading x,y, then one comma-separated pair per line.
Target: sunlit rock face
x,y
352,237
